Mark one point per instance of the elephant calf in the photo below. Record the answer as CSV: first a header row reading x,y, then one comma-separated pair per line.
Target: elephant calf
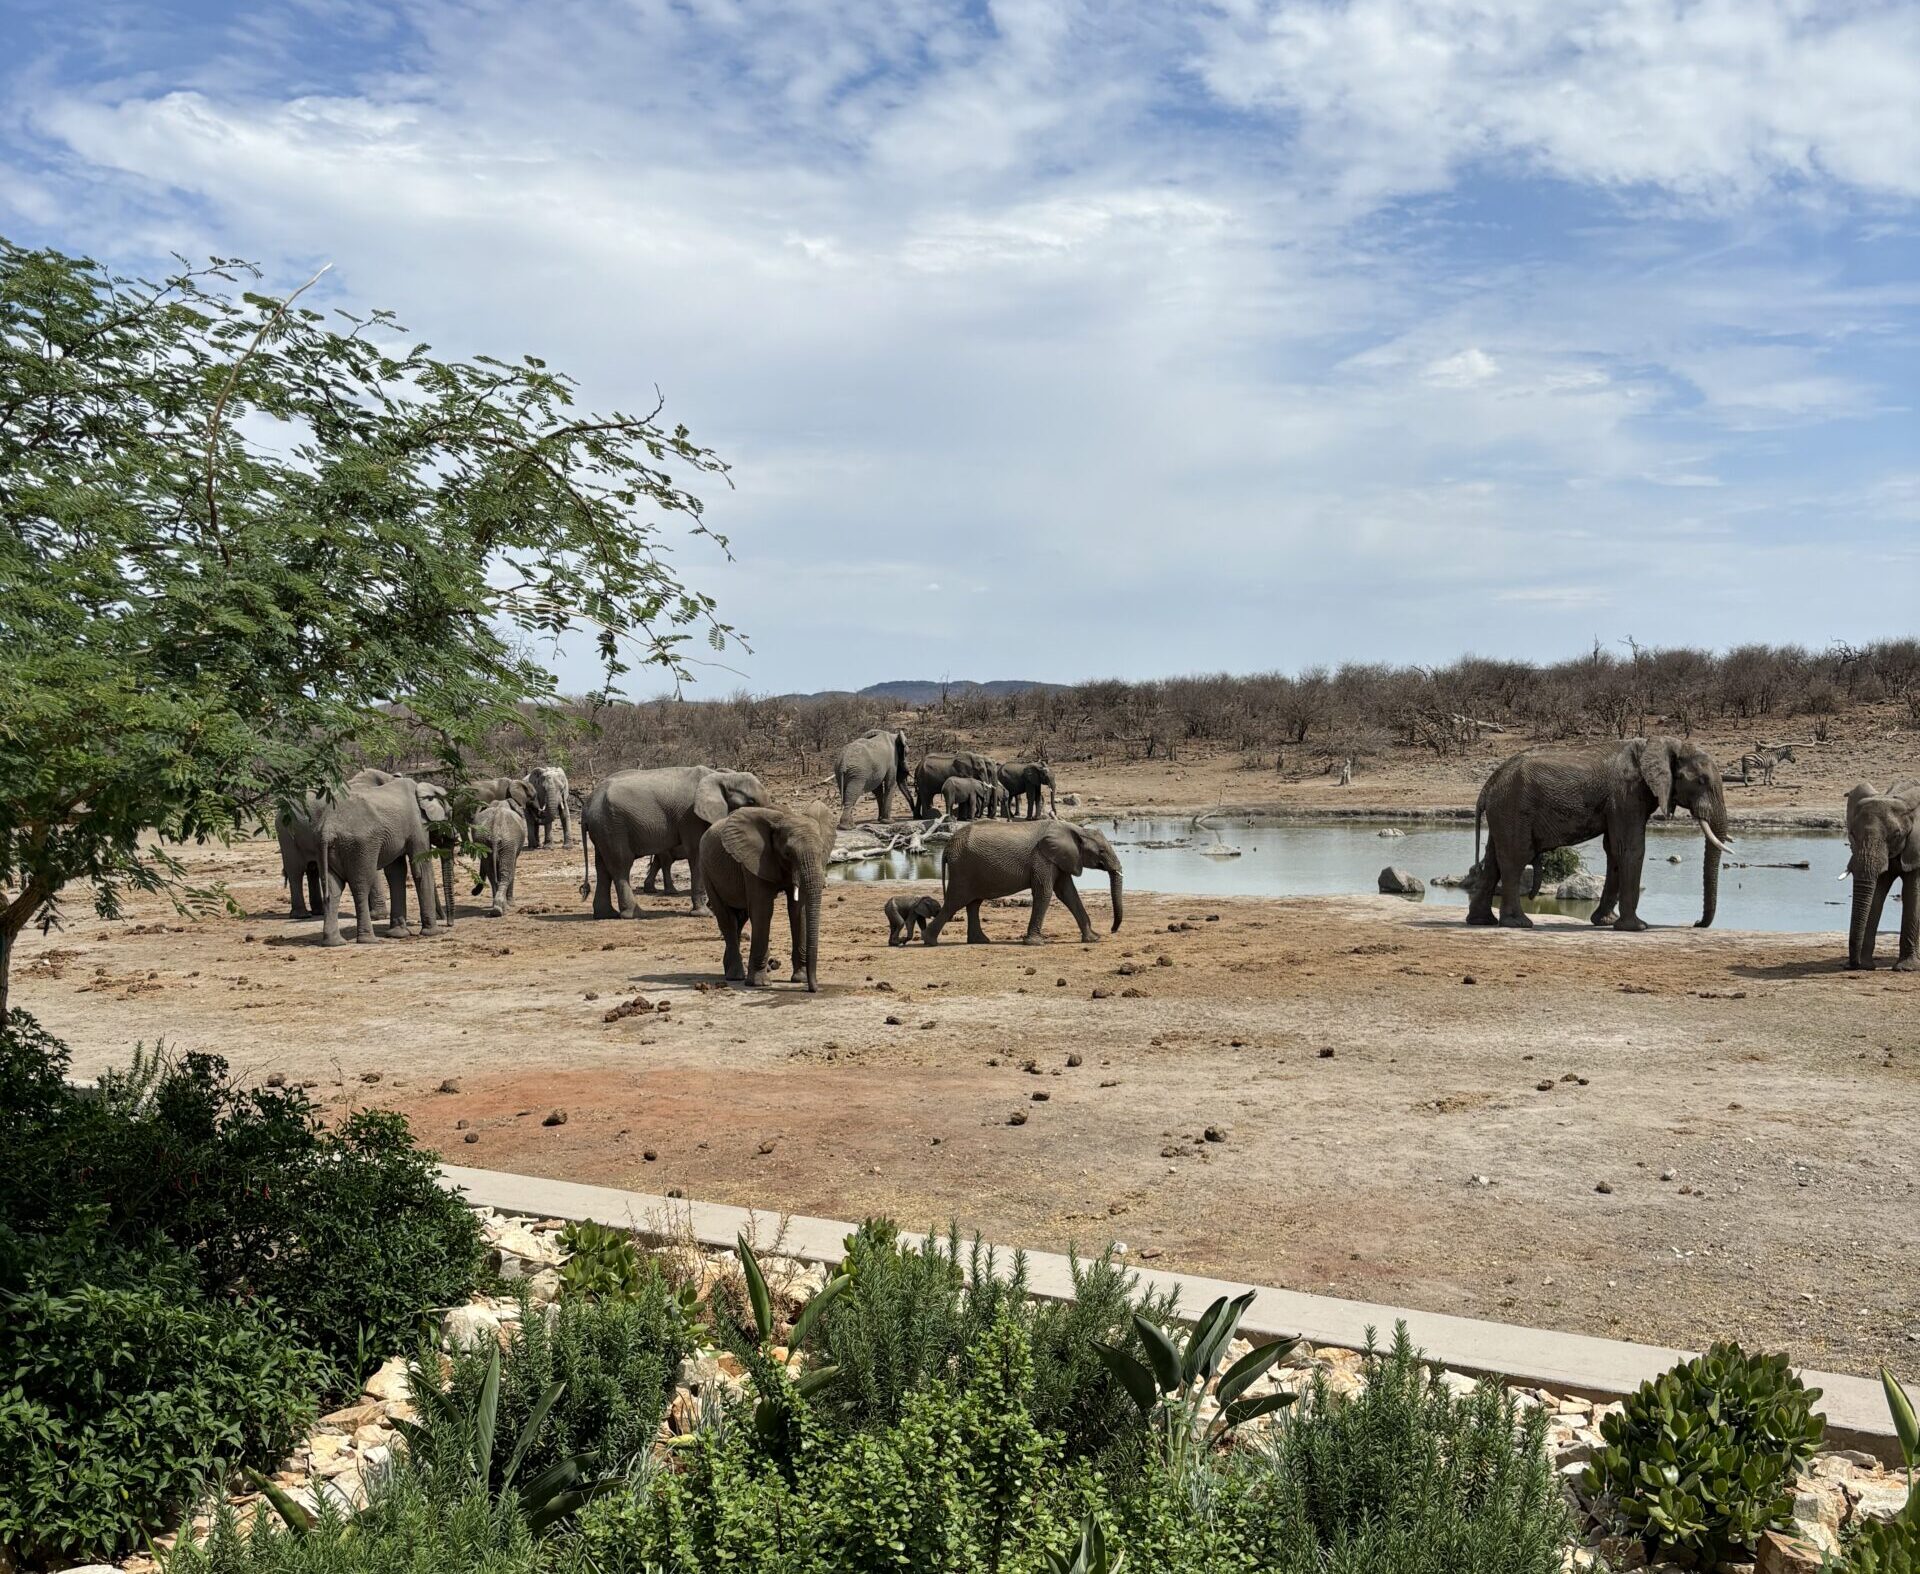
x,y
754,855
967,799
985,862
908,916
500,831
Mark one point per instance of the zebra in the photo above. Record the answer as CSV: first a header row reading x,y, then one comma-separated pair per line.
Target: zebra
x,y
1762,761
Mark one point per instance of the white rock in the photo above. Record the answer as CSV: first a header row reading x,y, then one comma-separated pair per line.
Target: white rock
x,y
543,1288
523,1251
470,1328
390,1382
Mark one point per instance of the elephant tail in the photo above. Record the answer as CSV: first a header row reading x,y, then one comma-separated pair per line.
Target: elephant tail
x,y
586,862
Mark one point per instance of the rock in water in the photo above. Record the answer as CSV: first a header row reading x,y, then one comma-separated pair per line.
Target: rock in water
x,y
1398,882
1583,885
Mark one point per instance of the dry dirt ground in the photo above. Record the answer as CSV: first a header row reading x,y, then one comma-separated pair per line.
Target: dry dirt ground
x,y
1406,1110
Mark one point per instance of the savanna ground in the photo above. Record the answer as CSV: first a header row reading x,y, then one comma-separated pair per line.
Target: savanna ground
x,y
1409,1111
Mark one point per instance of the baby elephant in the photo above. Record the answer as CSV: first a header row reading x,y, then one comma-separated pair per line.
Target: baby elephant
x,y
908,916
500,831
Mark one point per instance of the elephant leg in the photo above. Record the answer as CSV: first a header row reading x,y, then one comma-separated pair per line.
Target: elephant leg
x,y
513,874
623,888
930,934
697,885
376,896
975,934
483,874
1484,878
729,919
1513,876
1880,889
760,915
883,795
397,900
1633,855
362,888
566,826
1063,887
797,933
1042,900
1909,923
421,869
331,886
1609,887
603,889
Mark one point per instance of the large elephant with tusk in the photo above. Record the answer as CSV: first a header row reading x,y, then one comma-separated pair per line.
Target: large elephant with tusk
x,y
1548,798
1883,844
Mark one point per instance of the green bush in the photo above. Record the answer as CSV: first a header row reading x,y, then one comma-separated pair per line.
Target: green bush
x,y
963,1480
601,1261
347,1230
404,1529
910,1316
1702,1458
618,1360
1883,1547
1403,1478
119,1405
1557,863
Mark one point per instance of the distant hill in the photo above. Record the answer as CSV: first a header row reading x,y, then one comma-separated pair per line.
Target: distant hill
x,y
923,691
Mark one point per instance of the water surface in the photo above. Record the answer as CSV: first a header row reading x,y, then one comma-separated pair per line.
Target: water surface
x,y
1345,858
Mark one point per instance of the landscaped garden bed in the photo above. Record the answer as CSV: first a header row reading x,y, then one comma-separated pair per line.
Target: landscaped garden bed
x,y
237,1338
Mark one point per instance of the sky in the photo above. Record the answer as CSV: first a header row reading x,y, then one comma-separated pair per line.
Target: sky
x,y
1064,340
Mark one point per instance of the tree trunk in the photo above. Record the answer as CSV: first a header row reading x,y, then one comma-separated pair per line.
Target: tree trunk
x,y
14,918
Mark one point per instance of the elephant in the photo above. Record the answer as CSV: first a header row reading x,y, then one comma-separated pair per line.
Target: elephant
x,y
381,824
300,856
966,798
1024,779
660,869
633,814
500,831
516,790
299,837
875,762
550,790
931,774
908,915
754,855
1548,798
985,862
1884,840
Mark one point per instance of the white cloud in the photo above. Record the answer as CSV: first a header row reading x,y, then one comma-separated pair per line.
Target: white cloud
x,y
1008,305
1715,99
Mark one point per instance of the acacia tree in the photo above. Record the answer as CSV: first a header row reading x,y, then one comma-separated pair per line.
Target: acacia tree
x,y
243,540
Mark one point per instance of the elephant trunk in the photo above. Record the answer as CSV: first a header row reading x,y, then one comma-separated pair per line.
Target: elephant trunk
x,y
1866,880
811,883
1053,809
1714,824
1113,884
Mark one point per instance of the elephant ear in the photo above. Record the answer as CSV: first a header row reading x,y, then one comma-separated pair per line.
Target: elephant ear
x,y
748,839
1656,770
825,821
1910,848
1065,848
710,802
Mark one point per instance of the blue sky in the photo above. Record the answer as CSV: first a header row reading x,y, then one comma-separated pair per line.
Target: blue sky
x,y
1065,340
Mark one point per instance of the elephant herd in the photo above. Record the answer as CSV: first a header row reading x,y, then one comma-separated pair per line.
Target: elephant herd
x,y
381,833
1551,798
966,785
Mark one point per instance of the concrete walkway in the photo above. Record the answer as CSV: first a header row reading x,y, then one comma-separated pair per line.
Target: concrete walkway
x,y
1855,1407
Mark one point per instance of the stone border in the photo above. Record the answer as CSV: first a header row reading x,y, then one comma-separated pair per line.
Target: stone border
x,y
1603,1369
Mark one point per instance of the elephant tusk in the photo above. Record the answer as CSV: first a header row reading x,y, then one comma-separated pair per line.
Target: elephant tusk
x,y
1844,874
1706,830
